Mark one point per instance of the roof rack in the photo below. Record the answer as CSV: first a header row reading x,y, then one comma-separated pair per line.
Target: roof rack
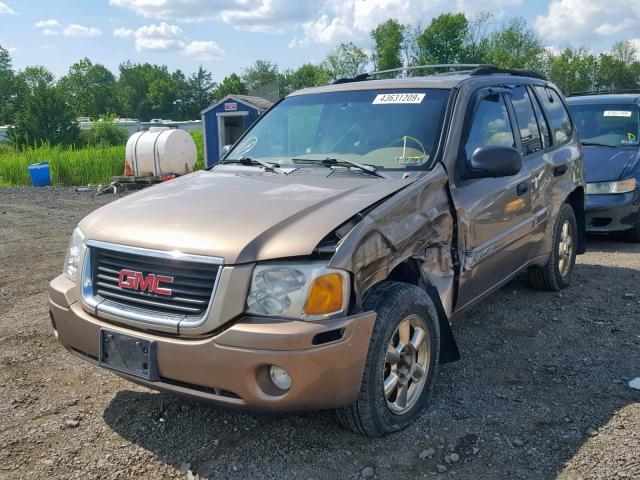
x,y
604,92
493,70
470,68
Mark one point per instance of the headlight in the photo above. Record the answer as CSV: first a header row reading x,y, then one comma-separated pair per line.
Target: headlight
x,y
74,256
623,186
309,291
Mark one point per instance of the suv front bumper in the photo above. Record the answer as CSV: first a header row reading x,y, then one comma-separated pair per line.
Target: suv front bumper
x,y
229,367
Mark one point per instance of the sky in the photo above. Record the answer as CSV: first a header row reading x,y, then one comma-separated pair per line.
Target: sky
x,y
226,36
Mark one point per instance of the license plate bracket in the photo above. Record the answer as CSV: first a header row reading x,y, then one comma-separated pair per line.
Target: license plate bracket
x,y
128,354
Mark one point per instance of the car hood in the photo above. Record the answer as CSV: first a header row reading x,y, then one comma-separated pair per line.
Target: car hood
x,y
239,217
606,164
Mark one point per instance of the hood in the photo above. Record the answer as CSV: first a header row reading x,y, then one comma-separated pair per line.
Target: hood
x,y
239,217
607,164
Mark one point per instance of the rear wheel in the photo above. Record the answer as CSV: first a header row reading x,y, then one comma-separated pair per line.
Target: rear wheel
x,y
556,273
401,362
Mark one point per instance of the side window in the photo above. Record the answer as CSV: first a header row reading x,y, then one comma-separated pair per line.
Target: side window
x,y
557,113
490,125
542,123
526,117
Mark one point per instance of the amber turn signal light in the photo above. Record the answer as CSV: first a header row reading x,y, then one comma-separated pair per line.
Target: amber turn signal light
x,y
325,295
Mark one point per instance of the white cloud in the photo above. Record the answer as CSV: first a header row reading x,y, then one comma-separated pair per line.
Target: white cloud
x,y
51,22
159,37
322,21
6,9
123,32
12,49
168,37
588,21
75,30
50,32
272,16
204,50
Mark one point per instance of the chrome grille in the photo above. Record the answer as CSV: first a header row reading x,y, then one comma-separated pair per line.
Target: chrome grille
x,y
191,289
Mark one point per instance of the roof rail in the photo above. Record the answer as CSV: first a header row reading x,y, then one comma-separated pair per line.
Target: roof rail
x,y
453,68
493,70
604,92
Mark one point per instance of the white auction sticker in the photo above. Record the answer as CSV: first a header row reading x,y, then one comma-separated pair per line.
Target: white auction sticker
x,y
383,98
617,113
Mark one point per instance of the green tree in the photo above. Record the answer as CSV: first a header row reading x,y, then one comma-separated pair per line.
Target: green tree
x,y
388,39
196,94
261,73
572,70
345,61
515,46
308,75
8,94
147,91
231,85
44,114
443,41
90,88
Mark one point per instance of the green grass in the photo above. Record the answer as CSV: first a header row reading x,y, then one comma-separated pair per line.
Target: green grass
x,y
71,166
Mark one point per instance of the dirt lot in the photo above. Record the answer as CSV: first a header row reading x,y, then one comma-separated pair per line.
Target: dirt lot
x,y
541,392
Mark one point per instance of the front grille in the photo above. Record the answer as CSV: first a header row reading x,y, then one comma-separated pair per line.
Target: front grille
x,y
191,288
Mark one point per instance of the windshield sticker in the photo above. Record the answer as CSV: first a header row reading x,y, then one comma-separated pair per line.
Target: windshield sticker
x,y
617,113
383,98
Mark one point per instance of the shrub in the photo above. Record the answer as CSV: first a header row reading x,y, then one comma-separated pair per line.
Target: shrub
x,y
104,133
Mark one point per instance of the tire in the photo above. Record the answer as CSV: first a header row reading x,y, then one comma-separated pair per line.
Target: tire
x,y
556,273
633,235
375,413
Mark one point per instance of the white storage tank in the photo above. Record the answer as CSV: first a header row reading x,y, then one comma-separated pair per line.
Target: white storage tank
x,y
161,150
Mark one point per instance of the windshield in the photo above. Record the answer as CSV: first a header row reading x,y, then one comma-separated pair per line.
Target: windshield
x,y
614,125
390,129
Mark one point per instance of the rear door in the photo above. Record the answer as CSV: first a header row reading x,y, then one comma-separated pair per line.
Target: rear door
x,y
494,214
534,140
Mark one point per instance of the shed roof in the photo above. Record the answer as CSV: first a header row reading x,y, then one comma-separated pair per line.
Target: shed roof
x,y
251,101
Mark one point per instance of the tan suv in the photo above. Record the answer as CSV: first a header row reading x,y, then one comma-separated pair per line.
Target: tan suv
x,y
318,265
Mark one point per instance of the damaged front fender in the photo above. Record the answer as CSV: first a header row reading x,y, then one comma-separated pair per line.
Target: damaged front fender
x,y
416,223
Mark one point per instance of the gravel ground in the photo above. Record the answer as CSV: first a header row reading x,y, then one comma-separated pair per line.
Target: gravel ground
x,y
541,392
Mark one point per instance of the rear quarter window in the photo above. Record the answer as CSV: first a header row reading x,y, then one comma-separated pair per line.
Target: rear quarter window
x,y
559,119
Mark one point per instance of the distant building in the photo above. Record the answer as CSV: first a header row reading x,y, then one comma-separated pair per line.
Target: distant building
x,y
226,120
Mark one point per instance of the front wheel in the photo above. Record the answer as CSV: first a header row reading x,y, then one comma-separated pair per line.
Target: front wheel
x,y
556,273
401,362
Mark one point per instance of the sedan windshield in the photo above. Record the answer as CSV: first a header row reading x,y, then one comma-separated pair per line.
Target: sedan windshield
x,y
614,125
389,129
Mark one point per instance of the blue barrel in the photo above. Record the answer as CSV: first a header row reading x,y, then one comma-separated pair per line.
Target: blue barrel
x,y
39,173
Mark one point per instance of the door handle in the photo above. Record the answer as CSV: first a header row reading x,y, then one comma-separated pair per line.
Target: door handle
x,y
522,188
560,170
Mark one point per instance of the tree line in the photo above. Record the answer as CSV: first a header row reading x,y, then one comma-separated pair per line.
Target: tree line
x,y
42,108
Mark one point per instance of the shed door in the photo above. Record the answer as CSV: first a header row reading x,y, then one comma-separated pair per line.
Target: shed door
x,y
230,129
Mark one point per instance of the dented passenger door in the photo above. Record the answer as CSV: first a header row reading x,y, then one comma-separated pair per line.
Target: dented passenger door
x,y
494,214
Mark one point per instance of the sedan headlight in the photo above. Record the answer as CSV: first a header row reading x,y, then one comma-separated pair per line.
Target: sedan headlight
x,y
602,188
74,256
309,291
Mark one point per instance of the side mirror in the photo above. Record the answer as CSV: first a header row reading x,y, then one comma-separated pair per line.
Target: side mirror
x,y
225,150
493,162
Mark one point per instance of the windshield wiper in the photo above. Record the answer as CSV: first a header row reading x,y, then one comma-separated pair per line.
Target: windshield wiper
x,y
270,167
330,162
595,144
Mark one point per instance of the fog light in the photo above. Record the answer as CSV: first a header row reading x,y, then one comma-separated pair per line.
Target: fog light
x,y
280,377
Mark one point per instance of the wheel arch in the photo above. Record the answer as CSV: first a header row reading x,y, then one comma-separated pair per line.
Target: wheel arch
x,y
410,272
577,201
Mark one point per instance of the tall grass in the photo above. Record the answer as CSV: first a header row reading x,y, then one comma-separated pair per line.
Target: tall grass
x,y
72,166
68,166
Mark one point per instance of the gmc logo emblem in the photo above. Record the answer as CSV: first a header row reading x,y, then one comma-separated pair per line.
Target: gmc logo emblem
x,y
137,281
